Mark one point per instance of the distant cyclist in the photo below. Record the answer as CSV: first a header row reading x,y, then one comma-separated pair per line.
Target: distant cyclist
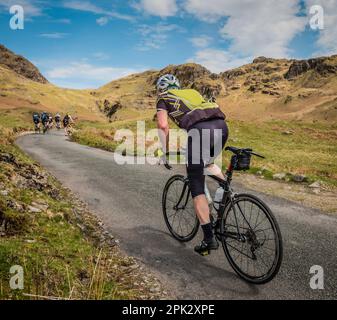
x,y
189,110
45,121
58,121
67,122
50,122
36,120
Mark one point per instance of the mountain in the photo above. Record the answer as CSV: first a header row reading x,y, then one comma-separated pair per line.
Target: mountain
x,y
23,89
20,65
262,90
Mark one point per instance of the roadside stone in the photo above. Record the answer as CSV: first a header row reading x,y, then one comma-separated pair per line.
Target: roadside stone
x,y
154,290
42,207
4,193
315,185
299,178
32,209
288,133
30,241
279,176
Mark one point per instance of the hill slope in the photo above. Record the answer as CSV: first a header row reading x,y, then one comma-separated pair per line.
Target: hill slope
x,y
265,89
262,90
23,89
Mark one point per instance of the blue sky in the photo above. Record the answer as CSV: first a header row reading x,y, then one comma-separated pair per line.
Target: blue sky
x,y
85,44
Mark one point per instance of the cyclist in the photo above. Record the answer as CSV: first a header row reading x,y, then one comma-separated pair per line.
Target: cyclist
x,y
36,120
188,109
58,120
50,121
67,121
44,119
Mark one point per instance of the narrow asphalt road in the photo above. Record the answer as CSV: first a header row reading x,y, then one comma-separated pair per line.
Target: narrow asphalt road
x,y
128,200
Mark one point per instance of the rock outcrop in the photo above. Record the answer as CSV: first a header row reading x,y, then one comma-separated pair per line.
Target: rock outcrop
x,y
109,108
322,66
20,65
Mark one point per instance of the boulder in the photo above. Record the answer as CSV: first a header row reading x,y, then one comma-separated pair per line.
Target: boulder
x,y
4,193
299,178
279,176
315,185
263,60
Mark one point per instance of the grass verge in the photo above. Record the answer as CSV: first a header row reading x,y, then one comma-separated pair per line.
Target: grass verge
x,y
63,250
292,148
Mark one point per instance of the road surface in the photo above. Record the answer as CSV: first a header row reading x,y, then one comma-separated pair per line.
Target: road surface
x,y
127,199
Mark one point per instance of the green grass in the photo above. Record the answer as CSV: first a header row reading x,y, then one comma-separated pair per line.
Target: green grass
x,y
309,149
59,248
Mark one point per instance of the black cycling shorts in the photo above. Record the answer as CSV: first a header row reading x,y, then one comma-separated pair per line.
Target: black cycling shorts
x,y
206,141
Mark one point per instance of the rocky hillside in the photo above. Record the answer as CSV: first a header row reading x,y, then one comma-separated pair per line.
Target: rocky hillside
x,y
23,89
265,89
262,90
20,65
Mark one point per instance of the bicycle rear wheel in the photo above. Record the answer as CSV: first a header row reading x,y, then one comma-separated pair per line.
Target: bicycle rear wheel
x,y
178,209
251,239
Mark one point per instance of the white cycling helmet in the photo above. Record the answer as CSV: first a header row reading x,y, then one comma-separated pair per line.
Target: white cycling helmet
x,y
167,82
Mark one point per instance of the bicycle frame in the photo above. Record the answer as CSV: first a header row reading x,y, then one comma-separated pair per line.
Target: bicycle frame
x,y
225,184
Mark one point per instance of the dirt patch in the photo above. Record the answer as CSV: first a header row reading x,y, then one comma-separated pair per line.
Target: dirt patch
x,y
324,199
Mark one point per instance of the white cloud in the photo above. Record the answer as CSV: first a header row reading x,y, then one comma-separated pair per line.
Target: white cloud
x,y
87,6
54,35
327,40
84,75
155,36
218,60
202,41
253,27
102,21
161,8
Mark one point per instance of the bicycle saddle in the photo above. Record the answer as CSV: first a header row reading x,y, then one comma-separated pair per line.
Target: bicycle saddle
x,y
237,150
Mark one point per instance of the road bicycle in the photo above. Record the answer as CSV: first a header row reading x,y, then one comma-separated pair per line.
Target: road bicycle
x,y
37,127
45,127
243,224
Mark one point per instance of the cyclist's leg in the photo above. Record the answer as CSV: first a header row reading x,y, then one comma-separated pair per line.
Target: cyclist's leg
x,y
218,139
195,172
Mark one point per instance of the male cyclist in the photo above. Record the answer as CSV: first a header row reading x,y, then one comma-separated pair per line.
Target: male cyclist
x,y
50,121
44,118
188,109
36,120
67,121
58,120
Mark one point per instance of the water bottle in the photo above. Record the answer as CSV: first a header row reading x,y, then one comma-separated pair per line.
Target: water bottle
x,y
208,195
218,198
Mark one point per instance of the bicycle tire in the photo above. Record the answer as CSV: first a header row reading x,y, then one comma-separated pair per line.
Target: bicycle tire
x,y
195,227
277,261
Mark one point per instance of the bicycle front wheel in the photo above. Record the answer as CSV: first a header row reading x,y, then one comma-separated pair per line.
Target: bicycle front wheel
x,y
251,239
178,209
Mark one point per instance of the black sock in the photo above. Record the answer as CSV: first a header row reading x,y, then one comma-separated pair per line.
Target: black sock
x,y
208,232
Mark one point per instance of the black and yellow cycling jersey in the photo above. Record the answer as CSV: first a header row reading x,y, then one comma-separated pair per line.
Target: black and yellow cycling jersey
x,y
187,107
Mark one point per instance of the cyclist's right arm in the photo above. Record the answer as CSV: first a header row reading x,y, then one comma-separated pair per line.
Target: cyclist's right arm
x,y
163,125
